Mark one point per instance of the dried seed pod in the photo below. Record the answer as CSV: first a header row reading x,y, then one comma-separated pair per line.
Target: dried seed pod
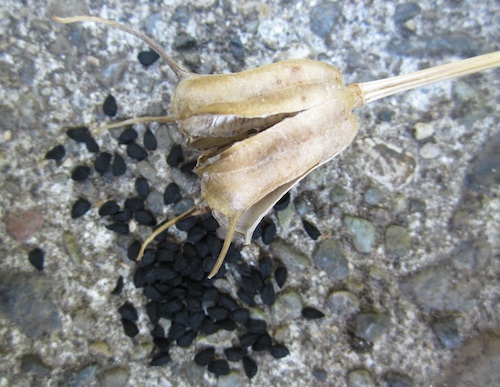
x,y
261,131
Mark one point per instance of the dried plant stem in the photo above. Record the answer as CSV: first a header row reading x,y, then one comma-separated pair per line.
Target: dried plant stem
x,y
371,91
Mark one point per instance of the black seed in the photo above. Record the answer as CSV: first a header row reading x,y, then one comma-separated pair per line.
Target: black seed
x,y
136,152
134,204
208,327
283,202
79,134
186,224
119,228
151,293
147,58
80,207
119,167
176,331
196,320
268,296
182,317
80,173
188,167
233,255
205,356
312,313
257,232
149,275
202,249
165,274
250,367
172,194
239,315
128,311
165,255
227,302
148,258
160,359
196,234
36,257
57,153
175,156
311,230
263,343
256,279
268,233
122,216
187,339
170,307
142,187
226,324
157,331
217,313
127,136
91,144
235,354
139,281
245,297
193,304
145,218
280,275
154,317
129,328
209,223
103,162
119,286
109,208
266,267
248,339
248,285
278,351
150,140
257,326
219,367
110,108
162,343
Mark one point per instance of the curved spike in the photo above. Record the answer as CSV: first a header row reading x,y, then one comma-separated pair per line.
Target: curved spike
x,y
181,74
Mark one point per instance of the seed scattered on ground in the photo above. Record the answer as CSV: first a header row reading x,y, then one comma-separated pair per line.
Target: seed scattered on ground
x,y
279,351
128,311
134,204
80,208
150,142
119,228
129,328
205,356
239,315
127,136
257,326
311,230
235,354
118,287
175,157
281,275
312,313
186,339
268,233
91,144
263,343
145,218
219,367
249,366
268,296
102,162
37,257
109,208
147,58
119,167
283,203
122,216
109,107
57,153
160,359
142,187
136,151
172,194
265,267
79,134
80,173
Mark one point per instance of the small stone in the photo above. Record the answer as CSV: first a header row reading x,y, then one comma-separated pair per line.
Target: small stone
x,y
397,240
101,348
429,151
373,196
114,377
447,332
370,326
330,257
405,12
288,254
320,374
22,224
422,130
397,379
82,377
287,306
338,194
110,108
34,364
342,303
362,231
323,17
360,378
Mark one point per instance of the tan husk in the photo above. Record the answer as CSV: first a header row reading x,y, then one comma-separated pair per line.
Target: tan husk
x,y
263,130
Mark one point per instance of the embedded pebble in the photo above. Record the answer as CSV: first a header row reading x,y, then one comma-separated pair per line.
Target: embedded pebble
x,y
405,12
362,231
22,224
233,379
112,74
338,194
273,33
397,379
330,257
324,16
26,300
237,48
82,377
288,305
288,254
113,377
320,374
423,130
373,196
397,240
34,364
360,378
342,303
429,151
370,326
446,330
181,14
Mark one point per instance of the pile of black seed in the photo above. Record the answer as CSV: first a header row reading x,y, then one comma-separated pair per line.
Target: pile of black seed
x,y
173,274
